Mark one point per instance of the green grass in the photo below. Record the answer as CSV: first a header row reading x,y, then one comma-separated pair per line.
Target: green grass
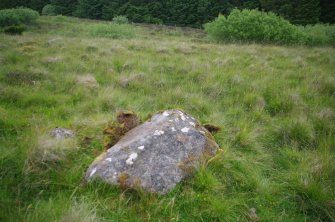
x,y
275,105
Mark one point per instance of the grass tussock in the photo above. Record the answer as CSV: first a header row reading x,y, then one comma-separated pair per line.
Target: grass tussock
x,y
274,105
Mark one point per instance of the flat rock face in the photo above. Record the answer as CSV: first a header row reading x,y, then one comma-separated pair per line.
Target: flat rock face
x,y
155,155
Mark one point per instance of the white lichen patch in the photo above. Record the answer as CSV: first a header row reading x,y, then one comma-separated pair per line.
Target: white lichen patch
x,y
185,129
158,132
93,172
173,129
115,176
192,123
202,132
109,159
140,147
166,113
170,120
131,158
183,116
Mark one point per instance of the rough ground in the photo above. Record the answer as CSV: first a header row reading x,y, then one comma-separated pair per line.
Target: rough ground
x,y
274,104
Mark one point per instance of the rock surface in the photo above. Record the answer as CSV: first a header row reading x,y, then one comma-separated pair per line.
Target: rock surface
x,y
62,133
155,155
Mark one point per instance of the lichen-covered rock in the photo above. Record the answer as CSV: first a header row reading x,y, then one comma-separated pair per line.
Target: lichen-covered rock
x,y
155,155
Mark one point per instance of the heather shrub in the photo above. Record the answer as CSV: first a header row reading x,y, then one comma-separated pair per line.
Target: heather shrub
x,y
254,26
319,34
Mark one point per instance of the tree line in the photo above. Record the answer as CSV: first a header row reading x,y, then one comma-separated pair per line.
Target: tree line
x,y
183,12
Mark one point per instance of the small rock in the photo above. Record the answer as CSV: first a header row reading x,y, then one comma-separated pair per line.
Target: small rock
x,y
51,148
62,133
252,215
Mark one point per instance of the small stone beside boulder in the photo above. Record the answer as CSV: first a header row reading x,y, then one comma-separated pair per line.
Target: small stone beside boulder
x,y
62,133
50,148
155,155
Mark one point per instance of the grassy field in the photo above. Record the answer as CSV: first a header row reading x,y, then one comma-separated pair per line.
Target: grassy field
x,y
275,104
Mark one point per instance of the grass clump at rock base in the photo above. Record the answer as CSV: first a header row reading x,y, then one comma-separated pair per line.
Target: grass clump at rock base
x,y
274,104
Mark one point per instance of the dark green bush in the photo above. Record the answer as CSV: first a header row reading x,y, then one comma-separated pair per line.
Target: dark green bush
x,y
17,16
319,34
49,10
150,19
254,26
14,29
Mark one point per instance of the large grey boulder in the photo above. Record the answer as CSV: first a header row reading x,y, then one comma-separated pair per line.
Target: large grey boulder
x,y
155,155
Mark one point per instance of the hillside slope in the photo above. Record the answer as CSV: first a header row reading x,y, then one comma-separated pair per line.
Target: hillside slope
x,y
275,105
